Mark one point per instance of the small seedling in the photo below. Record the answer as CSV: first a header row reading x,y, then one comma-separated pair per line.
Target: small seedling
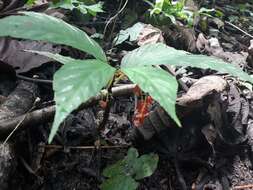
x,y
124,173
78,80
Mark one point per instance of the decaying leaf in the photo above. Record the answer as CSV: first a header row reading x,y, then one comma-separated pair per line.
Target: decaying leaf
x,y
12,52
199,90
150,35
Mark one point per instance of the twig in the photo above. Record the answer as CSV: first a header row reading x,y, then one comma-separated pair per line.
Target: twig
x,y
83,147
34,79
46,114
35,117
115,16
243,187
12,132
236,27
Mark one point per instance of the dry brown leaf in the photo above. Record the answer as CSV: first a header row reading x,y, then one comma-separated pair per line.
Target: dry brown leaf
x,y
12,52
200,89
150,35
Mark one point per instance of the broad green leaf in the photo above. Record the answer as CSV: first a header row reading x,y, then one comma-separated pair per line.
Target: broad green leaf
x,y
151,54
159,84
74,83
132,33
160,54
38,26
206,62
119,182
145,166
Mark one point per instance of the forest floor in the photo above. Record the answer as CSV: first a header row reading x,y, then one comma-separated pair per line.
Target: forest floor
x,y
212,151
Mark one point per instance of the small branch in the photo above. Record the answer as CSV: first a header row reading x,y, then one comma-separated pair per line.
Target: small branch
x,y
34,79
243,187
46,114
236,27
115,16
83,147
35,117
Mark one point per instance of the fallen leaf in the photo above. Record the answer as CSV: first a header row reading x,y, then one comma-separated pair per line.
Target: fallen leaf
x,y
150,35
12,52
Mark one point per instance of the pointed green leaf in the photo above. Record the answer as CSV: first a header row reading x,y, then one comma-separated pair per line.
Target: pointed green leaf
x,y
206,62
38,26
159,84
74,83
151,54
160,54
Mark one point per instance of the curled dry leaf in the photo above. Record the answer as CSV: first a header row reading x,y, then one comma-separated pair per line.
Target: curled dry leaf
x,y
150,35
199,90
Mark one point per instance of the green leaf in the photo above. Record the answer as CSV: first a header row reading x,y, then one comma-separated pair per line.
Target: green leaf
x,y
116,169
159,84
120,182
30,2
132,33
38,26
160,54
145,166
74,83
132,154
122,166
65,4
206,62
121,174
151,54
93,9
